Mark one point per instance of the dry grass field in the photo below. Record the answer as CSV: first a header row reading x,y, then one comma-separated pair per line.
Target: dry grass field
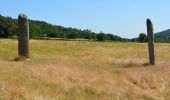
x,y
66,70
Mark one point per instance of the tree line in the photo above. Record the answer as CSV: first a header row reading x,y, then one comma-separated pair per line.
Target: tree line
x,y
41,30
38,29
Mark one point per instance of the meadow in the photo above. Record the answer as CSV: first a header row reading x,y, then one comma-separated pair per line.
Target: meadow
x,y
81,70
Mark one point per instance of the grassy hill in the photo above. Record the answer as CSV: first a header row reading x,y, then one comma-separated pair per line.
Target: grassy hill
x,y
60,70
163,36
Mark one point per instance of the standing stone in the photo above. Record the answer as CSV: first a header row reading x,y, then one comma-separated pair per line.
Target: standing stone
x,y
150,33
23,37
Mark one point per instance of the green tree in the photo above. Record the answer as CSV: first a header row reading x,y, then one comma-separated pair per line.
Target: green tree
x,y
101,36
72,35
142,37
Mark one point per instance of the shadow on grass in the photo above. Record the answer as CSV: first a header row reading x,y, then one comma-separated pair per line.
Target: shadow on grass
x,y
133,65
17,59
130,64
14,59
146,64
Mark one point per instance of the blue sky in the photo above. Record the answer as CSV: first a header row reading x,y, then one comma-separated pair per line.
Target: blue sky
x,y
125,18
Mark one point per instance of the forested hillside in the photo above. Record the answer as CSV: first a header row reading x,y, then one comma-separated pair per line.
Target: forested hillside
x,y
38,29
163,36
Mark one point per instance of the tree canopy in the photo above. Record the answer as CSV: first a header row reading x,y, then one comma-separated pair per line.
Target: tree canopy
x,y
142,37
9,28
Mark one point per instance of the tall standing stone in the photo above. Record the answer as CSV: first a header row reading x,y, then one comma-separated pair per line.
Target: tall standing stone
x,y
150,33
23,37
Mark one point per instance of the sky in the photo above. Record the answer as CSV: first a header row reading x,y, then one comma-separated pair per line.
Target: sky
x,y
125,18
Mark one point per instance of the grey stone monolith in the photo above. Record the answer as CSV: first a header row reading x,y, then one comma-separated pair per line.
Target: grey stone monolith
x,y
150,33
23,37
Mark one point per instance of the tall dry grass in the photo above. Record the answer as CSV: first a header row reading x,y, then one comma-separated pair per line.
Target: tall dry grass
x,y
61,70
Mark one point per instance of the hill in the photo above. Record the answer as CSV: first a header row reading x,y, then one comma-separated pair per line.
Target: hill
x,y
9,27
163,36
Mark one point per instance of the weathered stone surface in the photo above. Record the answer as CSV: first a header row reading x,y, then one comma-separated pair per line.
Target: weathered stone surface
x,y
150,33
23,37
